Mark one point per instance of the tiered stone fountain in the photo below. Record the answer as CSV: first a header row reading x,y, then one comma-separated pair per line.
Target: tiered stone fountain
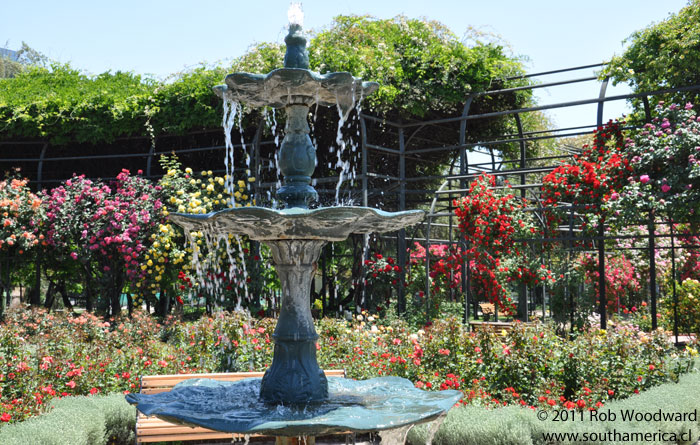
x,y
294,398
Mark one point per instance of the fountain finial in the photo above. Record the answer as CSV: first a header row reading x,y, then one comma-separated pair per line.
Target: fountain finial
x,y
296,56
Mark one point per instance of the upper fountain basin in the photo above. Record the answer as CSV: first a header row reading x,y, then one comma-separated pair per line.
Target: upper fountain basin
x,y
325,223
288,86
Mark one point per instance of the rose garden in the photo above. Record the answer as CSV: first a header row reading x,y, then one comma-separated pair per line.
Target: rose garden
x,y
566,286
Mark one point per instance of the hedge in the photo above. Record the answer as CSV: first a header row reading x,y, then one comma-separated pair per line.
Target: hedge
x,y
509,425
97,420
86,420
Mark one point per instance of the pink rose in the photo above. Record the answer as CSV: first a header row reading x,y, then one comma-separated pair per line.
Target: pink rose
x,y
665,188
644,179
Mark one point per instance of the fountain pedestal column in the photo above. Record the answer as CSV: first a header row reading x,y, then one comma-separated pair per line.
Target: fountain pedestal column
x,y
294,375
297,159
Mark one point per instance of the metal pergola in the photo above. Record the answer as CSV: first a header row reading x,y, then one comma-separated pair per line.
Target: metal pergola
x,y
413,142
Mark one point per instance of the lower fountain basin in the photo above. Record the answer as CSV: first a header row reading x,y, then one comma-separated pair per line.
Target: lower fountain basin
x,y
324,223
377,404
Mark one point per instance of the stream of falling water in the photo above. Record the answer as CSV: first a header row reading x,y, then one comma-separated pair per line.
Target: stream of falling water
x,y
345,160
341,145
247,155
245,272
365,253
209,246
396,436
433,427
208,267
231,111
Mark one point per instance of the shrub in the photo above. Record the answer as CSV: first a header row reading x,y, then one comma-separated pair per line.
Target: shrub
x,y
93,420
44,357
492,224
664,168
510,425
688,294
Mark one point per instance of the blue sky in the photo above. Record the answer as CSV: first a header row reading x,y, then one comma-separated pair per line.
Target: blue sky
x,y
159,38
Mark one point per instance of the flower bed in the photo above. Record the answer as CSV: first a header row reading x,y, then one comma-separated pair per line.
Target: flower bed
x,y
45,356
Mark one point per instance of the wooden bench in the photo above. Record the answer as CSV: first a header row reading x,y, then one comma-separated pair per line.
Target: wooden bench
x,y
153,429
497,326
487,309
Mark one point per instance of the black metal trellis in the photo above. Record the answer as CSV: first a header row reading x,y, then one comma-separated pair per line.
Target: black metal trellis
x,y
414,141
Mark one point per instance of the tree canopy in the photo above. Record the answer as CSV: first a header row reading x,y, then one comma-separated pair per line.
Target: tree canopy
x,y
663,55
424,69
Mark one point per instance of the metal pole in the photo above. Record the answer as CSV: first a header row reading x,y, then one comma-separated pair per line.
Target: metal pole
x,y
401,303
463,171
40,167
652,270
601,101
673,283
647,109
523,309
567,289
601,277
467,277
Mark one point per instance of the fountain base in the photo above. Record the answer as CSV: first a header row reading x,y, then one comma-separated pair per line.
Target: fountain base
x,y
294,376
362,406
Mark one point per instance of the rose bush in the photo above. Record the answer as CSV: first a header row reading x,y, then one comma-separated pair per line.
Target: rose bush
x,y
664,161
622,286
20,210
43,356
106,229
495,227
20,215
591,179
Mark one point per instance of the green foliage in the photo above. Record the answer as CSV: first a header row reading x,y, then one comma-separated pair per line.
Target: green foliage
x,y
64,105
663,55
120,418
93,420
9,68
25,56
422,67
424,70
688,294
473,424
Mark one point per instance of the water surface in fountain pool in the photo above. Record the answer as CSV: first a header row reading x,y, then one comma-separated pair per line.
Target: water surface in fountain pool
x,y
377,404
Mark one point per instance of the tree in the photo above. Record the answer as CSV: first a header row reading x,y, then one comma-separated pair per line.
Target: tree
x,y
26,56
663,55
